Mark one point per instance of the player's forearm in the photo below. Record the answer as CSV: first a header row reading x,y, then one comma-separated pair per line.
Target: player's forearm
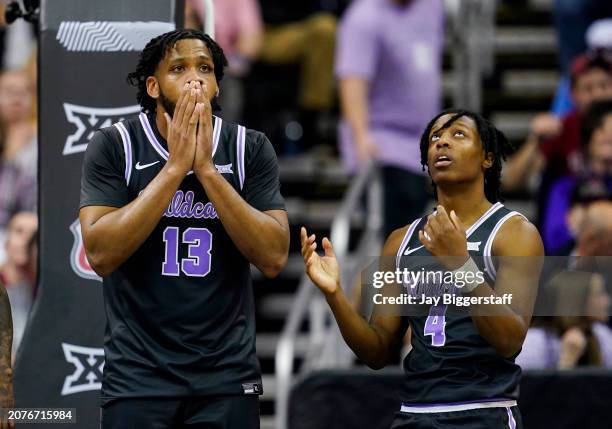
x,y
113,238
262,240
6,342
498,324
365,341
354,105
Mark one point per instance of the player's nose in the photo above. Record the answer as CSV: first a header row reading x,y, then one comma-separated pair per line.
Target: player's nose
x,y
443,141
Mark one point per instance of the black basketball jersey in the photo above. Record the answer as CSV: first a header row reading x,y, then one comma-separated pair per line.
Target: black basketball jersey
x,y
180,310
449,361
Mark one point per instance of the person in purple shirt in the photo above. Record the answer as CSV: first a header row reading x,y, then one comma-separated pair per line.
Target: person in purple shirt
x,y
388,63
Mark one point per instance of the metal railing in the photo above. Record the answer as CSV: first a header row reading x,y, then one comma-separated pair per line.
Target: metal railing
x,y
472,42
323,346
209,17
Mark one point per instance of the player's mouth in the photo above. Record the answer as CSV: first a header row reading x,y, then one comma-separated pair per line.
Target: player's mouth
x,y
441,161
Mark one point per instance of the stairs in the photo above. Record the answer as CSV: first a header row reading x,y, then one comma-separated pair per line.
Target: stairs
x,y
523,84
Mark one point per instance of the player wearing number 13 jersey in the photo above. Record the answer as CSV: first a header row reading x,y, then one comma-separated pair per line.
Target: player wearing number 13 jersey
x,y
175,205
460,372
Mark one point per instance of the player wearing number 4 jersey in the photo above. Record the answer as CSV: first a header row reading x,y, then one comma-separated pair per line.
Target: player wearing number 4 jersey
x,y
460,371
175,205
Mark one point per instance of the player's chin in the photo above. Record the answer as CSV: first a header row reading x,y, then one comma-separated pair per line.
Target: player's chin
x,y
444,175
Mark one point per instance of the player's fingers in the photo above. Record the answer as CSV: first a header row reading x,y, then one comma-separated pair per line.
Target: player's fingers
x,y
424,241
441,212
189,107
327,246
179,108
430,232
306,245
303,235
442,218
193,120
456,221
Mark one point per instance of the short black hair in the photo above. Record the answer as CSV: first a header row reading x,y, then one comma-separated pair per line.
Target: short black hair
x,y
593,119
154,52
493,140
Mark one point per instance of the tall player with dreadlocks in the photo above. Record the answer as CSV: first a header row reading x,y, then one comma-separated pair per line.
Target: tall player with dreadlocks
x,y
175,205
461,371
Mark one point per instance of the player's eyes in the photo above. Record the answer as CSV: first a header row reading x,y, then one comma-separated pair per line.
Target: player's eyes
x,y
459,133
177,68
435,138
205,68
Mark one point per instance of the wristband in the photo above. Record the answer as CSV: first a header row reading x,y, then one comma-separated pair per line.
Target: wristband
x,y
469,267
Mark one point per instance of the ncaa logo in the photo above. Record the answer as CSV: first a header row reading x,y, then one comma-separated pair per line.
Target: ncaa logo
x,y
78,258
88,120
89,365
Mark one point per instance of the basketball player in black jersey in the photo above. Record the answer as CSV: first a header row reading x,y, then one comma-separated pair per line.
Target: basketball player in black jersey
x,y
460,371
175,206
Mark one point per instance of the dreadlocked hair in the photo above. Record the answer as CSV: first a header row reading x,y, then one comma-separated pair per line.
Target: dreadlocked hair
x,y
154,52
493,141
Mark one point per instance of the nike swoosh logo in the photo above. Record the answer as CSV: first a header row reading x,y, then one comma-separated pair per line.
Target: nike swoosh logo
x,y
143,166
409,251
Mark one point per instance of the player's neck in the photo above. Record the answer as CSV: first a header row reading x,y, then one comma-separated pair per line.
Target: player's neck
x,y
469,203
160,121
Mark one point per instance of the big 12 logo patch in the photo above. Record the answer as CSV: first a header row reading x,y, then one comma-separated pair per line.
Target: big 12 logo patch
x,y
78,258
88,120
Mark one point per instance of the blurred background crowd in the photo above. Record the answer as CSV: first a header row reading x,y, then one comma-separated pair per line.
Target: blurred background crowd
x,y
337,84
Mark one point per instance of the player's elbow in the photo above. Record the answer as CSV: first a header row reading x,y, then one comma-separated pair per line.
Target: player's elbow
x,y
376,364
101,264
273,266
510,347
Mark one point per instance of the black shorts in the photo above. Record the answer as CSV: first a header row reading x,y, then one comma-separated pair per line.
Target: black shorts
x,y
214,412
481,418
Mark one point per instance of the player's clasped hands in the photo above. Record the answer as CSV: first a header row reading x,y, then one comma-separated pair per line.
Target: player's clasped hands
x,y
322,270
184,134
444,236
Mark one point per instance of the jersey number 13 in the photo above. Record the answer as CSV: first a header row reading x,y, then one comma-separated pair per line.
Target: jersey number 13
x,y
199,246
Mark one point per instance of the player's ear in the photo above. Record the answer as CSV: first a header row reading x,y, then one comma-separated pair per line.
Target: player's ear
x,y
152,87
488,160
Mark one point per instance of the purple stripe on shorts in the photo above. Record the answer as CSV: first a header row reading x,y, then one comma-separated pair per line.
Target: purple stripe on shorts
x,y
511,421
445,404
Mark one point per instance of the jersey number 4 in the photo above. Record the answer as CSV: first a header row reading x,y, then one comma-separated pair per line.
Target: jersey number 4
x,y
435,324
199,246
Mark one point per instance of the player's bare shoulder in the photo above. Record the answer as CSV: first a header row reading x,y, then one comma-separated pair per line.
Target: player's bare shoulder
x,y
394,241
518,237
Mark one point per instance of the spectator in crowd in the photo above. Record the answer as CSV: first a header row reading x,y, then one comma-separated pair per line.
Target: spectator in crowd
x,y
586,192
554,144
572,20
18,129
281,32
595,234
576,334
596,172
18,273
388,62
